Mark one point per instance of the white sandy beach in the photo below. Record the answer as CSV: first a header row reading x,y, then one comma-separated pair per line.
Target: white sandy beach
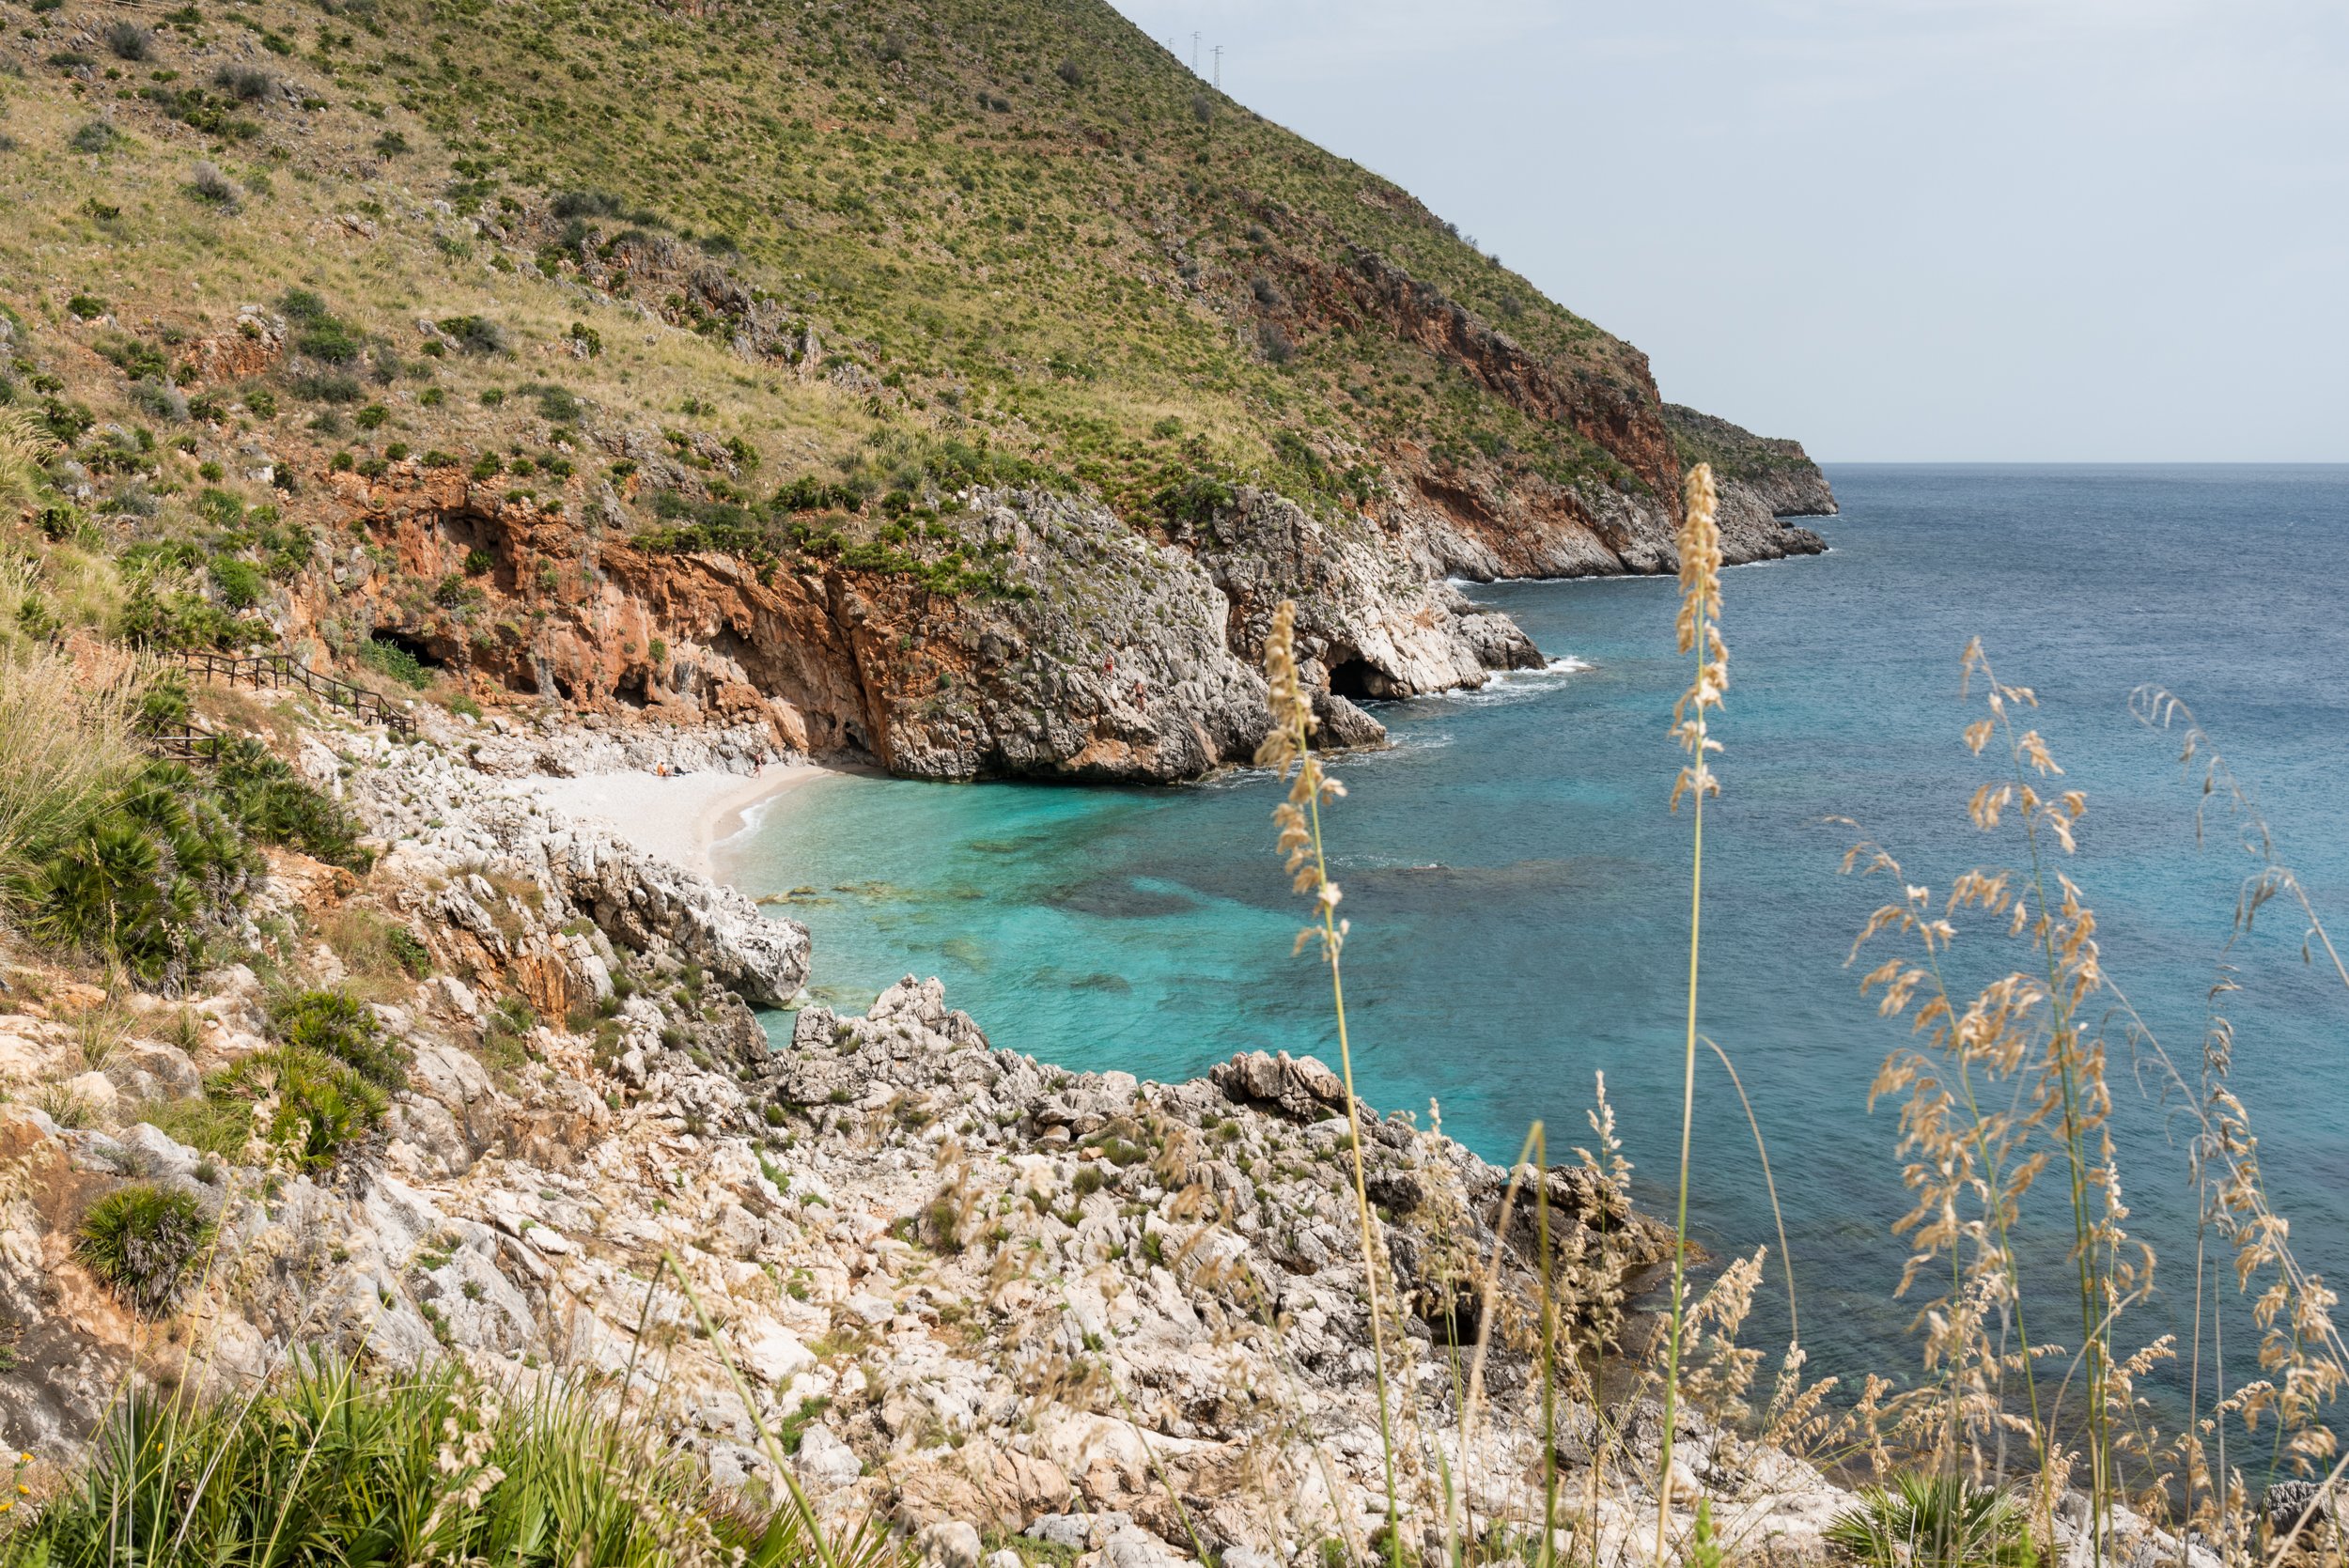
x,y
679,817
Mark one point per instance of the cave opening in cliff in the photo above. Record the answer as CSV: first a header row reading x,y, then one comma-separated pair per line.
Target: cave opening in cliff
x,y
632,688
1357,678
414,648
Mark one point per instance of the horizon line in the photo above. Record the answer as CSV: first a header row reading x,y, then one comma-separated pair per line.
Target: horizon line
x,y
2082,462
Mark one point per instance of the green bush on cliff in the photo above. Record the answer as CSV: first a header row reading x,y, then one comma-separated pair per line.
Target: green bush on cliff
x,y
390,658
319,1106
158,614
341,1026
144,1243
147,879
160,871
273,803
1924,1521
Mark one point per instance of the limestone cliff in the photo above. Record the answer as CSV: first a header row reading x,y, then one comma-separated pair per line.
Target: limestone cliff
x,y
1099,653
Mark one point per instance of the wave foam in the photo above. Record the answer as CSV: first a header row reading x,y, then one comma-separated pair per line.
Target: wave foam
x,y
1510,686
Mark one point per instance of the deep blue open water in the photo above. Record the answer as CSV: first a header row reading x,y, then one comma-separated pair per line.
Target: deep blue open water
x,y
1518,890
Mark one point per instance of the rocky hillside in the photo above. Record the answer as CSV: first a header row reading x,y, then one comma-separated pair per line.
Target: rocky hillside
x,y
1001,1305
498,1099
960,384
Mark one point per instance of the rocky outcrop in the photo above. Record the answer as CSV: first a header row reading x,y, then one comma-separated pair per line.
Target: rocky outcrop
x,y
1097,653
1448,511
1778,473
504,879
1790,491
1367,624
1014,1299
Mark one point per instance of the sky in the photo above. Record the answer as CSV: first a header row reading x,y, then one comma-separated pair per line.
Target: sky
x,y
1896,230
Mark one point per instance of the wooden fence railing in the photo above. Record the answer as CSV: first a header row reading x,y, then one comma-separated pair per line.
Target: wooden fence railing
x,y
188,746
277,671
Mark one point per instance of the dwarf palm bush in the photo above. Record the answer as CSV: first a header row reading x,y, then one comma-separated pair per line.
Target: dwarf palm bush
x,y
343,1028
1925,1521
145,1243
155,864
317,1106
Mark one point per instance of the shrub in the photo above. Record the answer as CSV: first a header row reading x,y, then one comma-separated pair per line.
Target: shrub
x,y
1070,72
557,406
245,84
158,614
270,802
95,136
390,145
324,386
1923,1521
207,183
160,400
144,1243
584,203
128,41
340,1027
390,658
88,307
145,879
321,1105
240,582
326,338
475,334
409,949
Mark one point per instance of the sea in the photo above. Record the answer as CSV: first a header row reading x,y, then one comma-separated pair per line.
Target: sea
x,y
1519,886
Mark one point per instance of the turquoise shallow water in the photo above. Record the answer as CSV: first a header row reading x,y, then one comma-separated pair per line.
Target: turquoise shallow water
x,y
1518,890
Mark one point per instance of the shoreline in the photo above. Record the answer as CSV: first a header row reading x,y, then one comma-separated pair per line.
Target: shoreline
x,y
683,818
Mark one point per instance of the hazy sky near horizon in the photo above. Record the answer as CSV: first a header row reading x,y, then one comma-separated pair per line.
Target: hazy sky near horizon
x,y
2030,230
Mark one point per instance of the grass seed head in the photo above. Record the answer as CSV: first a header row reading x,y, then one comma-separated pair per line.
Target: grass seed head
x,y
1700,542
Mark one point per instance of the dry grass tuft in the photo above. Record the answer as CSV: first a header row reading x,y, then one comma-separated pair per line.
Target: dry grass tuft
x,y
64,744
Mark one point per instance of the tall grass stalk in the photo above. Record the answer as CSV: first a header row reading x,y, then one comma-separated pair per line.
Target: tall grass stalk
x,y
794,1532
1288,749
1700,545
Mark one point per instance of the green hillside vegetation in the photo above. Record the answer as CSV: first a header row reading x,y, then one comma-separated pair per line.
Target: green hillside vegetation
x,y
891,251
1702,438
